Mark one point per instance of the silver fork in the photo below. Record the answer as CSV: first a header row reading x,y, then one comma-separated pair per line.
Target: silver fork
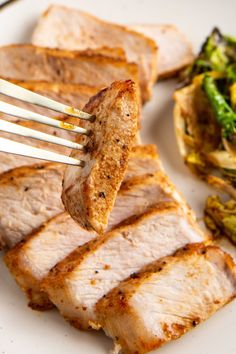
x,y
13,147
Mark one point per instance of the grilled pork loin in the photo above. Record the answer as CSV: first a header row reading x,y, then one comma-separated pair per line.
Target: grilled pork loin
x,y
168,298
65,28
34,178
174,50
89,193
57,238
88,273
143,159
28,197
25,62
31,260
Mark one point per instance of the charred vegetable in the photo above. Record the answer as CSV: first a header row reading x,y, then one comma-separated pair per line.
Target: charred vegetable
x,y
217,53
205,121
220,217
224,114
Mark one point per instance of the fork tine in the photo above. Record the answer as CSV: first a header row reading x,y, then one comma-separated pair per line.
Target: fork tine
x,y
9,89
16,148
28,115
35,134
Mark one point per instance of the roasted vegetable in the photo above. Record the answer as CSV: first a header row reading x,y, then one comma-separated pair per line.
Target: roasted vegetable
x,y
220,217
224,114
205,122
217,53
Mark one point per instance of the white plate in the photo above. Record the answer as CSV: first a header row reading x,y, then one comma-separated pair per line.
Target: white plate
x,y
23,331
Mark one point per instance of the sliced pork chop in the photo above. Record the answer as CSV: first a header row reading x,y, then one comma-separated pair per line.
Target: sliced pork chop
x,y
72,29
174,50
28,176
25,62
31,261
89,193
28,197
85,276
167,299
144,159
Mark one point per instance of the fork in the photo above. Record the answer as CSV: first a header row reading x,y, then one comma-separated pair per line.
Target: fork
x,y
13,147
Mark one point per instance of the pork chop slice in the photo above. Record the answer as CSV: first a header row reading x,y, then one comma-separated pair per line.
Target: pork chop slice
x,y
72,29
167,299
174,50
144,159
31,261
28,197
89,193
19,179
87,274
25,62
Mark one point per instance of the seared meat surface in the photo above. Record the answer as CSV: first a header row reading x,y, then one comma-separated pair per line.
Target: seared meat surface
x,y
89,193
88,273
25,62
65,28
144,159
30,176
174,50
31,261
168,298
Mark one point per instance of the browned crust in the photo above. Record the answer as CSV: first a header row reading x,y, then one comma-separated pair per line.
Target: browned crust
x,y
22,171
57,87
201,249
37,299
31,285
111,52
87,55
55,58
147,87
149,150
61,271
98,189
116,303
146,179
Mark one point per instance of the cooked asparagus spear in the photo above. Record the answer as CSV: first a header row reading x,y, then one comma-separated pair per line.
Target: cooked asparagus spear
x,y
224,114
